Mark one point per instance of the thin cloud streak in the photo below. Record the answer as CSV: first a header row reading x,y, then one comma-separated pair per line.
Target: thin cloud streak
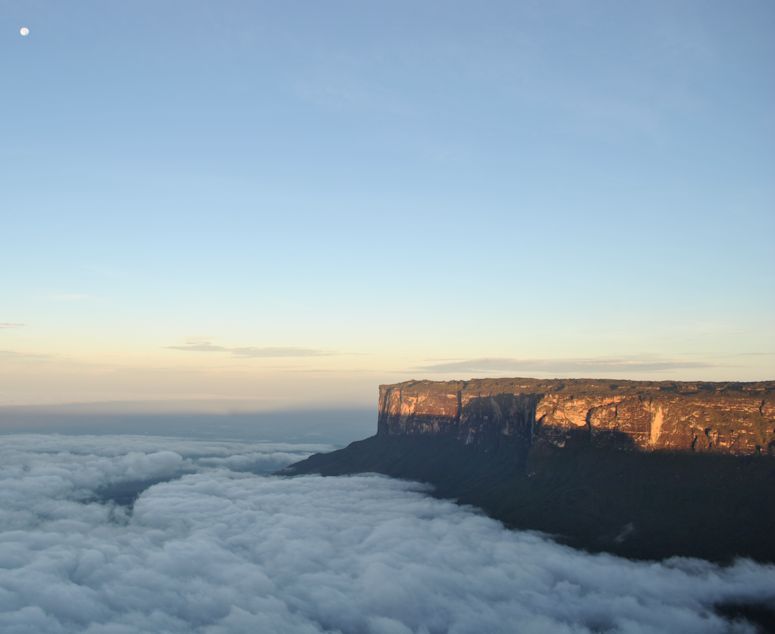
x,y
69,297
506,364
10,324
252,352
13,354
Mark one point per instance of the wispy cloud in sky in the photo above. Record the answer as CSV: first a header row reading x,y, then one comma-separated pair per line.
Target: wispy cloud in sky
x,y
251,352
504,364
9,324
68,297
13,354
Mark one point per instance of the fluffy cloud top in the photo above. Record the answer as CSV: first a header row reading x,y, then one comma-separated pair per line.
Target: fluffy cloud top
x,y
216,548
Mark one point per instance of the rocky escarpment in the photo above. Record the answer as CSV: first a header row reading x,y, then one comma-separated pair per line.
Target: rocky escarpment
x,y
641,469
732,418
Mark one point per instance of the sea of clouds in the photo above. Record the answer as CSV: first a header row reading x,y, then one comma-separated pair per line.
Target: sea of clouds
x,y
213,544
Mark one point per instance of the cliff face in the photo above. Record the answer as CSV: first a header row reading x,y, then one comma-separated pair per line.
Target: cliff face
x,y
729,418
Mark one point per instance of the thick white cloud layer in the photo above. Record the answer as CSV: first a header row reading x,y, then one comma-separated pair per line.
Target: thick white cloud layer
x,y
217,548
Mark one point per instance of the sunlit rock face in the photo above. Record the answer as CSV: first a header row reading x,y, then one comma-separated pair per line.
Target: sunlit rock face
x,y
730,418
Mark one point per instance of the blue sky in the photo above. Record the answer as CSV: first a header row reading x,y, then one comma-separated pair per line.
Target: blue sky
x,y
255,201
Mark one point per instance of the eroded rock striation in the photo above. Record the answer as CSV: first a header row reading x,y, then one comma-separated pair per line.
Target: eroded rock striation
x,y
731,418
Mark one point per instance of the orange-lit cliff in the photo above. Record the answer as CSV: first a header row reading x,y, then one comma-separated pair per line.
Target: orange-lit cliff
x,y
733,418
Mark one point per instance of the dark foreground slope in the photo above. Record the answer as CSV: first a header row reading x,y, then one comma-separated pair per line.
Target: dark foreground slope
x,y
640,505
608,491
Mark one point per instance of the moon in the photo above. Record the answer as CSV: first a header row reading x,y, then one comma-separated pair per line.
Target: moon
x,y
24,31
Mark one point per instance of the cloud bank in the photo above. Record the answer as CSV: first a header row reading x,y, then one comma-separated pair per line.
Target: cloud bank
x,y
217,549
503,364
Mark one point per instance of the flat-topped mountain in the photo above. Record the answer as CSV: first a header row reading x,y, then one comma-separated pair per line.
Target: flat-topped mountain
x,y
736,418
639,468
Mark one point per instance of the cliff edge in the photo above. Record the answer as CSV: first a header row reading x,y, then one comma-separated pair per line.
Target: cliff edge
x,y
641,469
732,418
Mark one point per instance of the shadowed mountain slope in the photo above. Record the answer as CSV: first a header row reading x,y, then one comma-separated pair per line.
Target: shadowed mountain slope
x,y
645,470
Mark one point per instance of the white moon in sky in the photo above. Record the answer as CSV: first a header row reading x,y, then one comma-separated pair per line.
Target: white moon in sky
x,y
24,31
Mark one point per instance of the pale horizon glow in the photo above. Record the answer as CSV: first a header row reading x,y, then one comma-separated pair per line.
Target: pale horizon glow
x,y
271,208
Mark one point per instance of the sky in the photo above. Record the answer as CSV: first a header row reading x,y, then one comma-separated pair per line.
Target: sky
x,y
260,205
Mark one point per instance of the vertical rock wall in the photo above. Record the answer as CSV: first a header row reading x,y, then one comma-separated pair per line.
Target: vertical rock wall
x,y
736,418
